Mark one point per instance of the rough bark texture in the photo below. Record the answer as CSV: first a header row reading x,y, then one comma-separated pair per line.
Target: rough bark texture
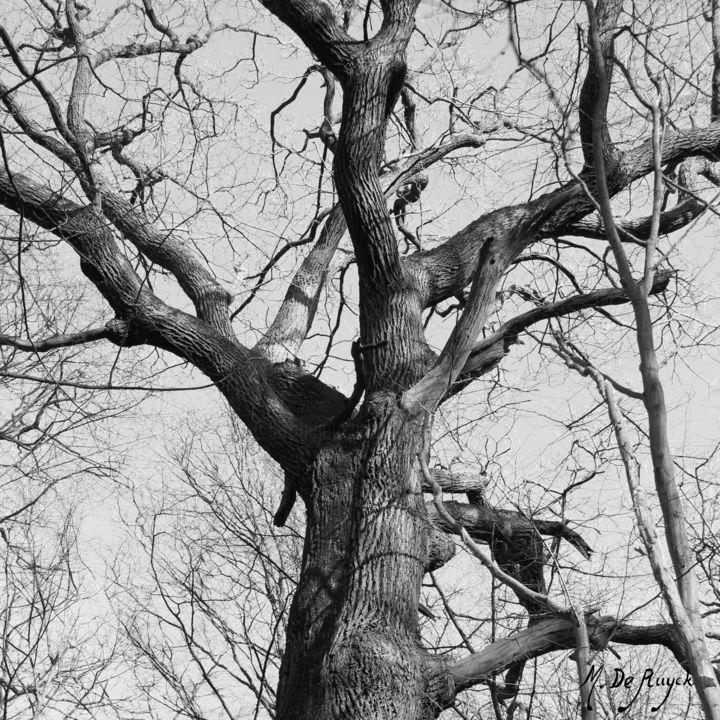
x,y
353,650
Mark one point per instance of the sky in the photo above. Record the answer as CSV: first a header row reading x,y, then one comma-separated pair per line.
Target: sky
x,y
520,428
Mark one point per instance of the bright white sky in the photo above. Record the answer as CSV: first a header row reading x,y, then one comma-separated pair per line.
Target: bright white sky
x,y
531,441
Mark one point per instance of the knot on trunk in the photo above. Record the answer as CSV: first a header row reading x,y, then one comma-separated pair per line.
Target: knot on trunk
x,y
439,686
122,332
441,549
397,74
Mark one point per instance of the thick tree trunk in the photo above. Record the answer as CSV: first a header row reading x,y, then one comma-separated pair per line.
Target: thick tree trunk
x,y
353,649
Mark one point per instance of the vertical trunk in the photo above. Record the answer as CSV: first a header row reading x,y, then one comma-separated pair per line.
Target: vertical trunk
x,y
682,600
353,649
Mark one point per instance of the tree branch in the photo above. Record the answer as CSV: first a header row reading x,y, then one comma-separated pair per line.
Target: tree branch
x,y
488,352
485,523
496,571
83,136
314,22
451,482
443,271
47,96
683,606
244,377
607,13
495,257
57,341
210,299
427,393
639,228
715,96
556,634
297,312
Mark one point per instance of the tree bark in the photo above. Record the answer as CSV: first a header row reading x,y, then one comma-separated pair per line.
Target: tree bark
x,y
353,649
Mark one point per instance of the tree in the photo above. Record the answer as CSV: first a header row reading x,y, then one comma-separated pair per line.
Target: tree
x,y
207,624
55,660
360,464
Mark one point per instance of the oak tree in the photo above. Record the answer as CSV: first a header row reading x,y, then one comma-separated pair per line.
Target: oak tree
x,y
112,144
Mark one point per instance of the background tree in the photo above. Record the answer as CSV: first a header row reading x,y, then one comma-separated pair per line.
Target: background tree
x,y
207,623
115,142
58,652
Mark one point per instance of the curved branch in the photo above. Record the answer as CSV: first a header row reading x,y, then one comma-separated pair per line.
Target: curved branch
x,y
211,300
314,22
556,634
445,270
485,523
639,228
487,354
245,378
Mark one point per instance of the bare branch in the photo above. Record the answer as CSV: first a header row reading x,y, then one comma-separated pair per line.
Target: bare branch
x,y
297,312
684,608
47,96
639,229
427,393
607,13
210,299
315,23
451,482
294,318
160,26
715,99
692,641
484,523
445,270
83,136
33,130
556,634
488,352
243,377
517,587
56,341
495,257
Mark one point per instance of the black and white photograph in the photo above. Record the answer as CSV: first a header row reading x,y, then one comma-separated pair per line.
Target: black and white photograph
x,y
359,359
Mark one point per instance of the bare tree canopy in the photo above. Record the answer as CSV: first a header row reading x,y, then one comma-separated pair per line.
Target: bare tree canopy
x,y
281,194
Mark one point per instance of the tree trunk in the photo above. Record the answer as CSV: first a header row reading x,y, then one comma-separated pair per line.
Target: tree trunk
x,y
353,647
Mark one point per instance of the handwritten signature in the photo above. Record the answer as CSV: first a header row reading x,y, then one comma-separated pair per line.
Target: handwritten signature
x,y
649,680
